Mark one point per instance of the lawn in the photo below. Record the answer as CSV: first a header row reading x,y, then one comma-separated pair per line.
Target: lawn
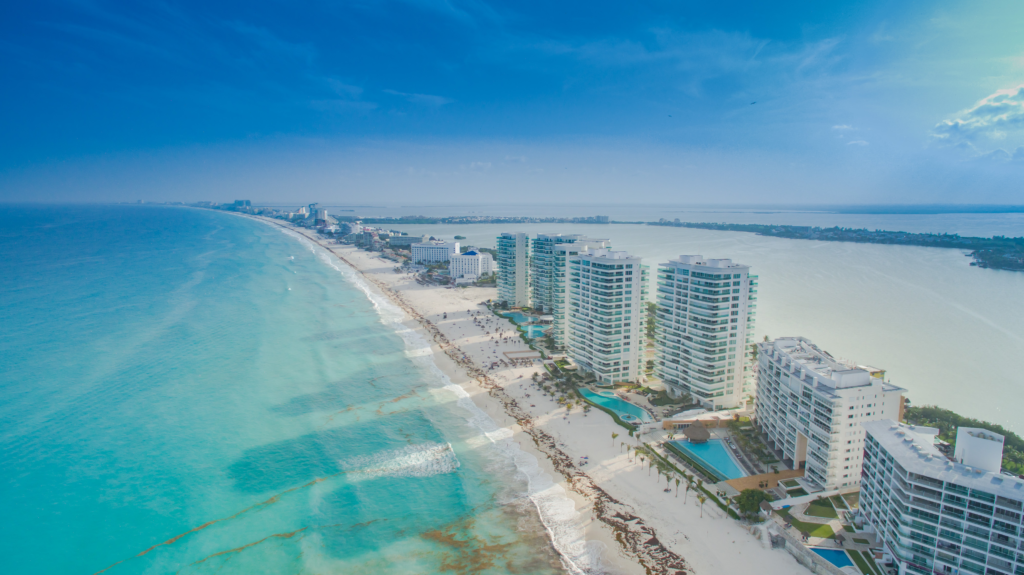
x,y
838,502
849,528
812,529
796,492
862,541
822,508
862,562
791,483
852,499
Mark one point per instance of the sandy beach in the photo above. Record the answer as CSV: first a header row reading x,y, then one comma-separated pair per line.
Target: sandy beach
x,y
643,528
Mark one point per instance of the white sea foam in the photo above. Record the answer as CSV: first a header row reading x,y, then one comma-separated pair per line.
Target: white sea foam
x,y
412,461
556,510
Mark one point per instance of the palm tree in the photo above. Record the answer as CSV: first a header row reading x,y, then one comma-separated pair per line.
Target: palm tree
x,y
702,498
621,443
642,459
615,435
689,486
677,489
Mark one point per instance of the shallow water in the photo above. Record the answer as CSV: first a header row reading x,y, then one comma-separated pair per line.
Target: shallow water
x,y
185,391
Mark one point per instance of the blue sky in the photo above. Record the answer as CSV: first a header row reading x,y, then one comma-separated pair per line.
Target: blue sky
x,y
423,100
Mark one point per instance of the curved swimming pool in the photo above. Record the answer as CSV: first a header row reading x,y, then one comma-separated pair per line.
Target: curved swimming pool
x,y
714,455
624,409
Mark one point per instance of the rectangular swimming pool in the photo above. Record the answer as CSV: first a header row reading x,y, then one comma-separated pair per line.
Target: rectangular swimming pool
x,y
837,557
625,410
714,456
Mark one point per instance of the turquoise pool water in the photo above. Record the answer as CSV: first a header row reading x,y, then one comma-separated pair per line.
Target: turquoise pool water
x,y
837,557
714,455
625,410
533,331
518,317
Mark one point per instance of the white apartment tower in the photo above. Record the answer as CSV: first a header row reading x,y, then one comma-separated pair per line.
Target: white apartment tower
x,y
562,253
514,269
547,266
934,515
605,327
472,264
812,408
704,324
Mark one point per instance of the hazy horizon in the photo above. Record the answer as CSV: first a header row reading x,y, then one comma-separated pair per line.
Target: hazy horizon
x,y
434,100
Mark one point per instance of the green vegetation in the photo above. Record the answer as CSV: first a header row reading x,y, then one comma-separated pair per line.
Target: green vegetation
x,y
747,438
947,422
861,562
862,541
652,309
796,492
871,561
998,252
849,528
699,485
838,502
812,529
749,501
822,508
790,483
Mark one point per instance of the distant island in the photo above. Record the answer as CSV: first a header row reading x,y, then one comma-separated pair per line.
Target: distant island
x,y
997,252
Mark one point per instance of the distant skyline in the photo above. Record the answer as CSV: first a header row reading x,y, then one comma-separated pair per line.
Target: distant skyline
x,y
433,101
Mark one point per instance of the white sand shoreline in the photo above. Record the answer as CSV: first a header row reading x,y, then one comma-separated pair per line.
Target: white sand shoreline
x,y
643,529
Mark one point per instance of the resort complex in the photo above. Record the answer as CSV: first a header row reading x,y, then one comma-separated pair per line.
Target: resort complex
x,y
812,406
941,515
809,438
704,319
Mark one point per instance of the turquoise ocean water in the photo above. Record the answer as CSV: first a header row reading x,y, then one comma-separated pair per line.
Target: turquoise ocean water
x,y
185,391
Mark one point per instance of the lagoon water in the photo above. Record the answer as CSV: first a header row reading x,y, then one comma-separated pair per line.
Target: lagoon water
x,y
952,334
184,391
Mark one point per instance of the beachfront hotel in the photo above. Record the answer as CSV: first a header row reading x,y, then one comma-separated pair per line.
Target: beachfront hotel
x,y
703,326
934,515
813,407
471,265
605,291
514,269
434,252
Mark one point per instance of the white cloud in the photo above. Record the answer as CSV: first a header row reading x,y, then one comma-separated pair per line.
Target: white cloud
x,y
995,121
425,99
857,143
843,127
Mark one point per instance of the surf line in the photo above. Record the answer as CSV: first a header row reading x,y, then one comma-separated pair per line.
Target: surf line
x,y
635,537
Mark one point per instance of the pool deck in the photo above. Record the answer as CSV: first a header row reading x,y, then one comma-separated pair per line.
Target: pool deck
x,y
773,479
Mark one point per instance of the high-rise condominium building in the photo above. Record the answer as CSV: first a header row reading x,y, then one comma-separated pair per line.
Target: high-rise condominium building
x,y
934,515
704,325
562,253
606,335
812,408
547,266
514,269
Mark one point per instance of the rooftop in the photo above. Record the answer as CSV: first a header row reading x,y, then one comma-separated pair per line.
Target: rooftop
x,y
914,448
711,263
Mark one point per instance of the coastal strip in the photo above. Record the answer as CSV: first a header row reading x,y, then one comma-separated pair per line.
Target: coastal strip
x,y
635,537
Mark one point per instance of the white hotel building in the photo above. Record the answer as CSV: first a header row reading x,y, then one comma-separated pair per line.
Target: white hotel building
x,y
470,265
514,269
605,309
812,408
433,252
934,515
704,322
